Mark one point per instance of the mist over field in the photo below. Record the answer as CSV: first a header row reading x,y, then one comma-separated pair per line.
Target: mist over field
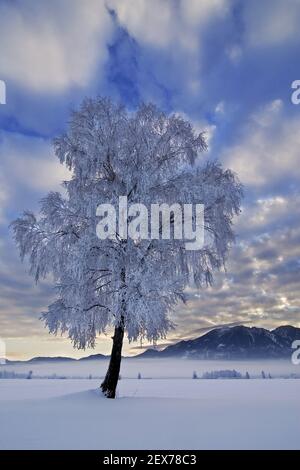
x,y
153,368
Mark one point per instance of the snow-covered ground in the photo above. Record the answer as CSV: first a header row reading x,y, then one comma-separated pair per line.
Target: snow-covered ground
x,y
157,413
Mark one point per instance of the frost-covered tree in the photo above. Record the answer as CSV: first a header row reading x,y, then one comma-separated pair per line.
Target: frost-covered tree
x,y
130,285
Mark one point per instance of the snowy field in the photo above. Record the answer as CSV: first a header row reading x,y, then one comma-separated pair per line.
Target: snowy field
x,y
168,411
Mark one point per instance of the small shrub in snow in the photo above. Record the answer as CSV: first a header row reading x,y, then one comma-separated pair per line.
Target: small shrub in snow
x,y
222,374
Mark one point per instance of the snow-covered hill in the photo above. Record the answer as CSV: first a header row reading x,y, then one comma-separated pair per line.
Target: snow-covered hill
x,y
238,342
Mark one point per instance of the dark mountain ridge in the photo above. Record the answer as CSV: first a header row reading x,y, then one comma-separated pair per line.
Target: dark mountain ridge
x,y
237,342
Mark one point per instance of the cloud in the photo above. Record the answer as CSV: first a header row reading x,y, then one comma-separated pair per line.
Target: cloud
x,y
148,22
28,169
269,213
271,22
267,149
197,13
3,200
162,24
30,162
234,53
21,300
170,34
50,46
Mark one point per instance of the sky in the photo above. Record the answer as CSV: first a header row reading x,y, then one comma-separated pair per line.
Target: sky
x,y
227,66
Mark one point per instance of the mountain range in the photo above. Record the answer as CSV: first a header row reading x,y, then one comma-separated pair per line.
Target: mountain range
x,y
235,342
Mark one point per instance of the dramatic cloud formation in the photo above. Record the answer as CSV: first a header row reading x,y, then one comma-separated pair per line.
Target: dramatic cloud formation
x,y
227,65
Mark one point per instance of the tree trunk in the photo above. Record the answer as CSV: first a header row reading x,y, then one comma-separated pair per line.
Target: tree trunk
x,y
110,382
